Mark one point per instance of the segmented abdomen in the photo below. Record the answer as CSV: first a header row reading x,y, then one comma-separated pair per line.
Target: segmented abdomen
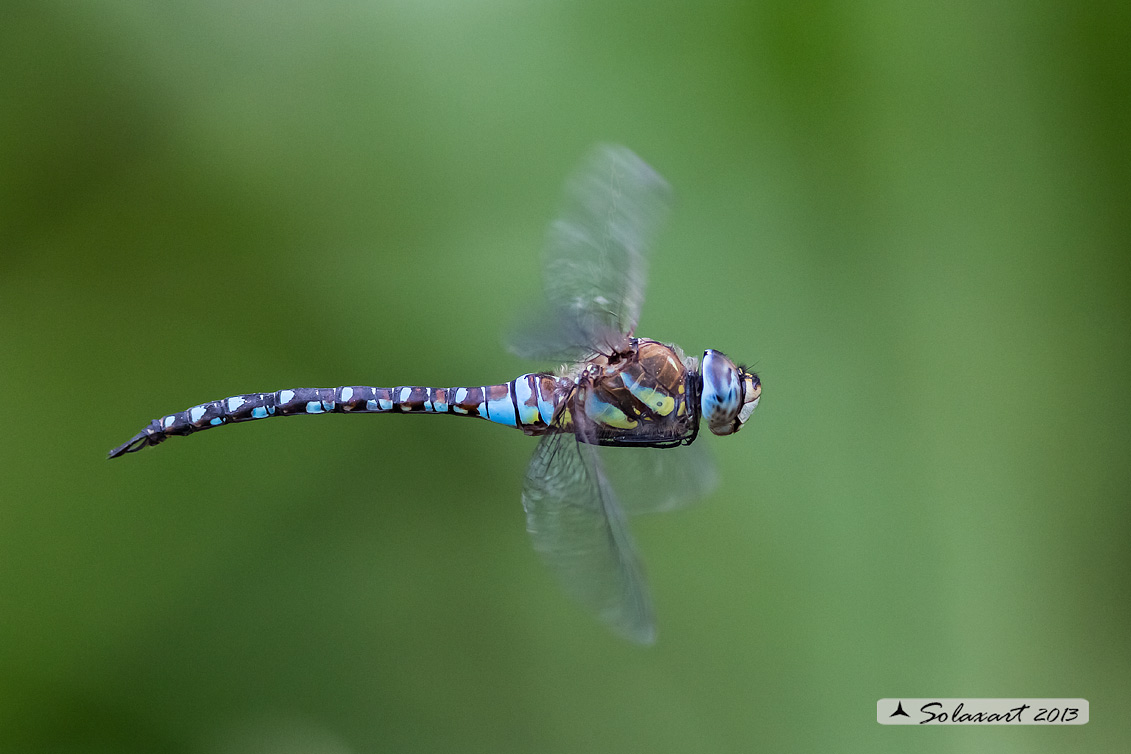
x,y
527,402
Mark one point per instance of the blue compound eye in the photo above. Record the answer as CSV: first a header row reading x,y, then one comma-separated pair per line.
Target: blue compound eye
x,y
721,399
729,393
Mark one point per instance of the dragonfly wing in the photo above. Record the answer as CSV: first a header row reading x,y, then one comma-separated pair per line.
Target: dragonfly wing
x,y
596,257
579,529
653,480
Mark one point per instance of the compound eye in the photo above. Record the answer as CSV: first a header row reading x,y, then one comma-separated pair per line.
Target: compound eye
x,y
722,398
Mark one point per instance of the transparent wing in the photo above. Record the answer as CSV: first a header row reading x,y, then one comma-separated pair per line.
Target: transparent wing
x,y
596,257
579,529
653,480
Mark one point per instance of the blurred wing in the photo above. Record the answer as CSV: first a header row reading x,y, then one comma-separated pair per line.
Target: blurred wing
x,y
580,531
596,256
653,480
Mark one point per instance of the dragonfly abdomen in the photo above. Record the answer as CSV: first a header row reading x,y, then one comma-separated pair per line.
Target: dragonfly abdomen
x,y
527,402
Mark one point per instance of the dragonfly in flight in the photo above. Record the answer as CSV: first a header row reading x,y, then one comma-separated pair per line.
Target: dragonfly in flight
x,y
616,421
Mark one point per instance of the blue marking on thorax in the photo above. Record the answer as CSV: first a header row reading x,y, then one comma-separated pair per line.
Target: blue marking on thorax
x,y
259,413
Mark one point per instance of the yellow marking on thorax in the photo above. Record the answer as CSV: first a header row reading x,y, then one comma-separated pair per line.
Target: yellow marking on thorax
x,y
658,402
607,414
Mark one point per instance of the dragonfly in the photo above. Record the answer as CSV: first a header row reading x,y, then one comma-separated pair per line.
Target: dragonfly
x,y
616,421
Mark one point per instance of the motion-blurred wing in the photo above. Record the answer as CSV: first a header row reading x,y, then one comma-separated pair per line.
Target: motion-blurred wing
x,y
654,480
579,529
596,257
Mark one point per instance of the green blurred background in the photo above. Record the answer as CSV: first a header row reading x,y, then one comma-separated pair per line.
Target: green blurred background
x,y
911,218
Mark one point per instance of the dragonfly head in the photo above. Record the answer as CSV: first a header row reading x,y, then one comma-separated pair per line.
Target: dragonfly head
x,y
729,395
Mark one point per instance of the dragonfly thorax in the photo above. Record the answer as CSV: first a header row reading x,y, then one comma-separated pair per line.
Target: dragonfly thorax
x,y
730,393
644,394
